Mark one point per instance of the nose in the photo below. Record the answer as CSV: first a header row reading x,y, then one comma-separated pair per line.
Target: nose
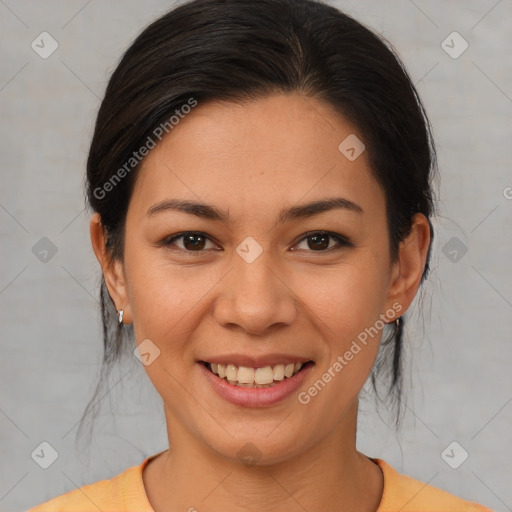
x,y
256,297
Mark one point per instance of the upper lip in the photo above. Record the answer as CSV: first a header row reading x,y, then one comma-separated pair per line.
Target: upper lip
x,y
255,361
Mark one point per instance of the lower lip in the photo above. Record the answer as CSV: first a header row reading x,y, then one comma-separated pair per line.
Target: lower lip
x,y
255,397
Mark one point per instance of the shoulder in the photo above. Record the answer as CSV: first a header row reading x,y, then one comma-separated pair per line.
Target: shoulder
x,y
120,493
405,494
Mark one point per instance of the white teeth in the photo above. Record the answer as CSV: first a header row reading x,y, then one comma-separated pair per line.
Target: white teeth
x,y
279,372
255,377
246,375
263,375
231,372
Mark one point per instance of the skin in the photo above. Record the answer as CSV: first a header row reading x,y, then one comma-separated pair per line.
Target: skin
x,y
254,159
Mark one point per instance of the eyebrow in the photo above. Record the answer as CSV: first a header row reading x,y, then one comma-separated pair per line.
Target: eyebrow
x,y
207,211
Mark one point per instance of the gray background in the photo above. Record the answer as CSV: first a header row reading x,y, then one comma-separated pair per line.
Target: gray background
x,y
459,379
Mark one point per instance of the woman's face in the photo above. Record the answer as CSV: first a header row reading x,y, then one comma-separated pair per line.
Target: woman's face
x,y
254,284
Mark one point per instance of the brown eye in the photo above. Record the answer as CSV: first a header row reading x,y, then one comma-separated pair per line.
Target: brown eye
x,y
319,241
191,241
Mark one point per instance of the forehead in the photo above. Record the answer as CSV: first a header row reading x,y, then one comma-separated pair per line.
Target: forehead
x,y
258,154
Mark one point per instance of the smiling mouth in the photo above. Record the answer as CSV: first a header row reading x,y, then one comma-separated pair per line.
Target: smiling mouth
x,y
264,377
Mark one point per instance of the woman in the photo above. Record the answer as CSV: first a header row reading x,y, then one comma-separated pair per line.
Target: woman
x,y
260,179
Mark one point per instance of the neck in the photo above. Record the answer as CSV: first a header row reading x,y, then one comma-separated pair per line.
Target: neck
x,y
332,475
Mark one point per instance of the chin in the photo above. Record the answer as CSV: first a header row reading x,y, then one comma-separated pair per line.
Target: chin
x,y
258,449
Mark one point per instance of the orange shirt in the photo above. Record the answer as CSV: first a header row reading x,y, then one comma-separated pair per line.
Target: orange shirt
x,y
125,493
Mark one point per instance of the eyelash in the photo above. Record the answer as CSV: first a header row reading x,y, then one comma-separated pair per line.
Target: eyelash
x,y
341,241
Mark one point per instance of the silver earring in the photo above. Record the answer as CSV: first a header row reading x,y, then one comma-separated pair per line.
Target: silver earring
x,y
121,313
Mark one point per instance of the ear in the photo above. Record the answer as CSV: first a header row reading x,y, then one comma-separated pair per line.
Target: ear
x,y
408,269
113,271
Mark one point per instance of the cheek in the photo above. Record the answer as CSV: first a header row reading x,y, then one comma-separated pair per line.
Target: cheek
x,y
347,298
168,303
166,299
347,306
349,329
